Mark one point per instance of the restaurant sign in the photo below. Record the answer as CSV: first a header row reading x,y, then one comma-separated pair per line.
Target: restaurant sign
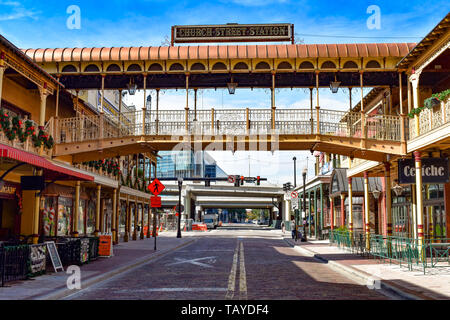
x,y
434,170
233,32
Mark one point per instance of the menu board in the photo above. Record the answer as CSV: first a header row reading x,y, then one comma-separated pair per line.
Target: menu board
x,y
84,250
105,245
37,258
54,256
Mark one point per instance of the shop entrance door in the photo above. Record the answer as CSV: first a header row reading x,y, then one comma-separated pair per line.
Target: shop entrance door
x,y
434,220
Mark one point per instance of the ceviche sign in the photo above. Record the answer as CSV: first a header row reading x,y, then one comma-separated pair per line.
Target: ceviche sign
x,y
434,170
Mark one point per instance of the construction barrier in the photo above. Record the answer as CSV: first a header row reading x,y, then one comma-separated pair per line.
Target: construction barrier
x,y
199,227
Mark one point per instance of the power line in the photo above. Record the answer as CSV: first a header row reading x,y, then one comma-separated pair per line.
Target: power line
x,y
355,37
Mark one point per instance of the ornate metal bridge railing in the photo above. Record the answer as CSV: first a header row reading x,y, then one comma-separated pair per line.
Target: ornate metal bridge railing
x,y
228,122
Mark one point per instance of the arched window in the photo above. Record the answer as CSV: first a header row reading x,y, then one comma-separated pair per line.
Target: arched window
x,y
91,68
197,66
306,65
134,67
219,66
69,68
155,67
176,66
113,67
328,65
373,64
261,66
241,66
350,65
284,65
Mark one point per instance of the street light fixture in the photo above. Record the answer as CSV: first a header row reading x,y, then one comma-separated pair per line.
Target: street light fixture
x,y
231,86
305,171
295,172
180,185
132,87
334,85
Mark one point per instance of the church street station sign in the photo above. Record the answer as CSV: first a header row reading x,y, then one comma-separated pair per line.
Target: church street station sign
x,y
434,170
233,32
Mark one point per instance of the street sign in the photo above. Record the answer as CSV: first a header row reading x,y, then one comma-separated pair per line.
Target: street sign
x,y
155,202
156,187
294,194
176,208
231,179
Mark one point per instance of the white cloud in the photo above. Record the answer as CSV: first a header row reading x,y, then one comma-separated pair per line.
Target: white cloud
x,y
14,10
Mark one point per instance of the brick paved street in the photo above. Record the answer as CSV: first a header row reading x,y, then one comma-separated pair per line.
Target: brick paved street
x,y
231,264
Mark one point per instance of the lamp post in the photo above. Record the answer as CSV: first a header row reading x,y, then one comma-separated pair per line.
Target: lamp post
x,y
305,170
180,184
295,172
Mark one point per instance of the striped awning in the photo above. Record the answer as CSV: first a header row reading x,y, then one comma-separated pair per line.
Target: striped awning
x,y
51,171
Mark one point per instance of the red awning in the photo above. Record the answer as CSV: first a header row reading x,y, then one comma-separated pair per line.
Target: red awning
x,y
51,171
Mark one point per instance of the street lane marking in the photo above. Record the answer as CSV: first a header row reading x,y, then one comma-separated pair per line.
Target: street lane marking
x,y
173,290
242,276
232,277
195,261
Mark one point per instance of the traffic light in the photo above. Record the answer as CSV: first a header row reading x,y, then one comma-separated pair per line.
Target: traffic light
x,y
242,180
207,183
258,178
237,181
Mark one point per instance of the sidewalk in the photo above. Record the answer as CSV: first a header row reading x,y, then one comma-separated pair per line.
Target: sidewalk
x,y
126,256
435,284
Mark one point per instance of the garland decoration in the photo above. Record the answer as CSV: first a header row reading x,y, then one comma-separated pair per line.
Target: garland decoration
x,y
15,127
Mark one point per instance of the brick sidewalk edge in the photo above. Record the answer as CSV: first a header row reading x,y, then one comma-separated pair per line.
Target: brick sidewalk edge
x,y
63,291
361,276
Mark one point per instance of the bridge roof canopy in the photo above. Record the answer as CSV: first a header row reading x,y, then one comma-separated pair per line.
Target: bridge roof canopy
x,y
206,52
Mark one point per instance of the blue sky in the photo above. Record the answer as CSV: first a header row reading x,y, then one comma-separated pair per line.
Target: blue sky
x,y
42,24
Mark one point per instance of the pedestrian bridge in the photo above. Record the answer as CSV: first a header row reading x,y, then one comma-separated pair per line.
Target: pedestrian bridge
x,y
358,135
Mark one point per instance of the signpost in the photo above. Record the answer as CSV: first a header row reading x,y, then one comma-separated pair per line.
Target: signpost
x,y
434,170
233,32
156,187
54,256
294,194
231,179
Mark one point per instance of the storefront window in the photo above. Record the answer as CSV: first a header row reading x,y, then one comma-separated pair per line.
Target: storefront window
x,y
435,226
402,220
122,218
64,216
90,217
49,216
81,216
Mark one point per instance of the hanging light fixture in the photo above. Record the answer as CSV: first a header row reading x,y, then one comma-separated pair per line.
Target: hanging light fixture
x,y
398,189
376,193
231,86
131,87
334,85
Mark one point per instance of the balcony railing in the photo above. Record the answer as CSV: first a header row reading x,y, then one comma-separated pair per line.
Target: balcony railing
x,y
229,122
429,119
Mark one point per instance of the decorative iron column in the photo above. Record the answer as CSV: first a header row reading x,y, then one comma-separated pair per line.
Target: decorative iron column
x,y
331,214
342,210
97,211
2,72
317,105
366,209
273,100
187,103
114,214
136,216
387,180
76,211
350,207
419,201
127,220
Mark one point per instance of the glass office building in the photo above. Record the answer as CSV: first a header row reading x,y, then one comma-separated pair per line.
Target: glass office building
x,y
187,164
